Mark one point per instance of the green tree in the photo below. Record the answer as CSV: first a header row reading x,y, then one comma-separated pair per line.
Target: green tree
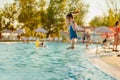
x,y
8,15
53,17
28,14
99,21
96,22
114,11
78,5
1,14
112,16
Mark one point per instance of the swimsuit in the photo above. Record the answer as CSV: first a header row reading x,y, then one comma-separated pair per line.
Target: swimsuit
x,y
73,33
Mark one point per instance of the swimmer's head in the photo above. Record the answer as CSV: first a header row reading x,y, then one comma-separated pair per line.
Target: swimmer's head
x,y
69,16
42,43
117,23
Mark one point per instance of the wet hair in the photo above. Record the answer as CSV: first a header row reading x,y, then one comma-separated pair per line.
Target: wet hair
x,y
70,15
42,43
117,23
107,36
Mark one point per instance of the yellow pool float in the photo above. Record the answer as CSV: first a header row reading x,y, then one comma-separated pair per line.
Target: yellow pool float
x,y
37,43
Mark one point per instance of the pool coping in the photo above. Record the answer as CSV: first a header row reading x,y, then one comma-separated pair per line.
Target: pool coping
x,y
106,68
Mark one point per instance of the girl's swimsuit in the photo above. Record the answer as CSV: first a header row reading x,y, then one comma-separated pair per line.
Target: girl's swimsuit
x,y
73,33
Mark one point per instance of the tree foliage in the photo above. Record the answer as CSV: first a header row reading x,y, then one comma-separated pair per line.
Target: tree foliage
x,y
28,13
112,16
53,17
78,5
49,14
8,15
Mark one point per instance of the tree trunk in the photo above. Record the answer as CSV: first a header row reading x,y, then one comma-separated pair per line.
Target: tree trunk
x,y
48,35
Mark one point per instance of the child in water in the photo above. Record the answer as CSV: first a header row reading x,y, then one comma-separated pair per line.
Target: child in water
x,y
72,29
40,44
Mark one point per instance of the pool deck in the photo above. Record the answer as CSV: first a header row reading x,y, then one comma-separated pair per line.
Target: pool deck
x,y
106,63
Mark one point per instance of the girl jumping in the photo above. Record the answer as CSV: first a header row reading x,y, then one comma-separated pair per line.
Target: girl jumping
x,y
72,29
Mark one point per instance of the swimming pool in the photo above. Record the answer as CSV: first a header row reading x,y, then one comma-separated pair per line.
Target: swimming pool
x,y
20,61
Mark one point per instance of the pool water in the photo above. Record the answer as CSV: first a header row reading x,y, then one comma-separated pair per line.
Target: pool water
x,y
20,61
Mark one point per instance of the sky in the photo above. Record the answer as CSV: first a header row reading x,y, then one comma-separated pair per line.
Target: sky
x,y
96,8
3,2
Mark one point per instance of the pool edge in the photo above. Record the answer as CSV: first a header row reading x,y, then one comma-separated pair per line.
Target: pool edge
x,y
106,68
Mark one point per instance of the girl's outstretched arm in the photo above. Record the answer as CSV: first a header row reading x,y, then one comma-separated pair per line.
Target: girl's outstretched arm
x,y
75,27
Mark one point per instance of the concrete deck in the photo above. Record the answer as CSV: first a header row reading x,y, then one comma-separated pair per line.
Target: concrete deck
x,y
102,65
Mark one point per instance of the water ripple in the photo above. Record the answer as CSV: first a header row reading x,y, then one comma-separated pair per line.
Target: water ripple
x,y
26,62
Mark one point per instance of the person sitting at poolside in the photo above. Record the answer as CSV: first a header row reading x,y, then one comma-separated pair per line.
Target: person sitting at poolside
x,y
105,40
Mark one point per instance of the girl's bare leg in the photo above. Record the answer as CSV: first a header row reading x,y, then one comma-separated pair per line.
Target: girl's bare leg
x,y
116,44
73,43
113,46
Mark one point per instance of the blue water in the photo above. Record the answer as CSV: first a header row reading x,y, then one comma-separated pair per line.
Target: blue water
x,y
20,61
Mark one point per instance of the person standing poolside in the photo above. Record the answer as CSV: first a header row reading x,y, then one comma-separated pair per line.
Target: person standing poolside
x,y
88,40
88,37
72,29
84,37
116,36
